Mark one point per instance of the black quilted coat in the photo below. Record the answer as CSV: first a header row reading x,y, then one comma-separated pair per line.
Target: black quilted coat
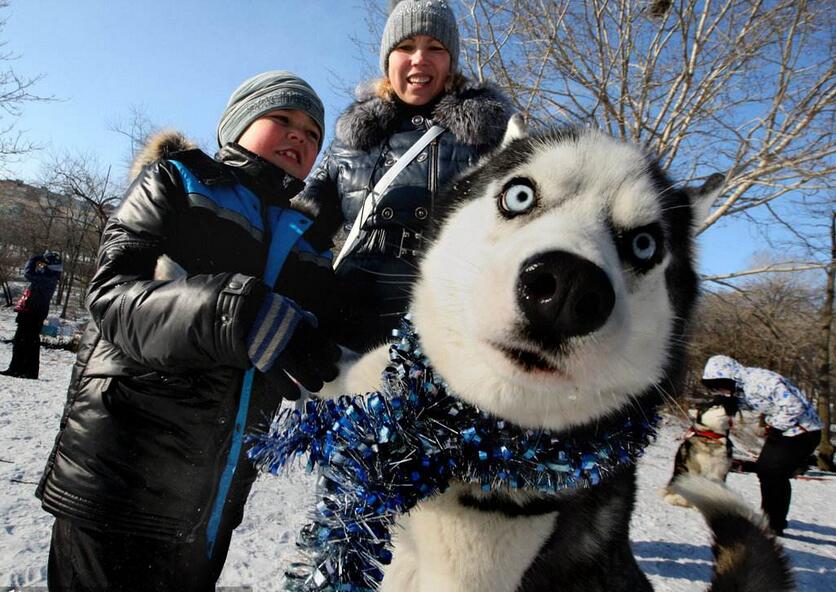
x,y
371,135
155,389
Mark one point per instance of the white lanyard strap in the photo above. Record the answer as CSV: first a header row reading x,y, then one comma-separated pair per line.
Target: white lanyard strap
x,y
382,185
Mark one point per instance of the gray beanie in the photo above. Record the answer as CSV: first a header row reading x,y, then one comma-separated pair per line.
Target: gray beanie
x,y
408,18
265,92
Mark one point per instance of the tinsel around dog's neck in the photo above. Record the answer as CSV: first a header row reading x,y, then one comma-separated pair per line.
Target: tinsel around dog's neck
x,y
382,453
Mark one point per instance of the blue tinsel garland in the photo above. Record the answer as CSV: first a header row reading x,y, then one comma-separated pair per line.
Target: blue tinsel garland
x,y
384,452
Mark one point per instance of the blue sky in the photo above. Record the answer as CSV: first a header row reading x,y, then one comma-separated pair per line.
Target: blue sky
x,y
179,60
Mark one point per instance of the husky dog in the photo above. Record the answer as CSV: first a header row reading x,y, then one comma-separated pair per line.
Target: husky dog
x,y
707,449
556,294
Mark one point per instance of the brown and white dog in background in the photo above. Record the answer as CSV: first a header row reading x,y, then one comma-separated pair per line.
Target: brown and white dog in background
x,y
707,449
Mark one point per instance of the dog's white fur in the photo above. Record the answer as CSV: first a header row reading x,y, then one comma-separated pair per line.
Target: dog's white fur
x,y
447,545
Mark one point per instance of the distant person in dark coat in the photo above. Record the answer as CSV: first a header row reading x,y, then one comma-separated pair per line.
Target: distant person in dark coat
x,y
43,272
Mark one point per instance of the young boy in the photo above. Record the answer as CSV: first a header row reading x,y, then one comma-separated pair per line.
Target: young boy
x,y
149,476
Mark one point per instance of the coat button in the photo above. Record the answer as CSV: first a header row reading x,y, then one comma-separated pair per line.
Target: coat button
x,y
387,213
389,161
422,157
347,226
222,419
235,285
224,318
420,213
417,120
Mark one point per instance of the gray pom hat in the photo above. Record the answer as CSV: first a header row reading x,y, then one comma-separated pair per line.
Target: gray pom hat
x,y
265,92
408,18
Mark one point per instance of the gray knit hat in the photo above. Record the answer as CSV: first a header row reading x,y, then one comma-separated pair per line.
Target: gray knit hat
x,y
265,92
408,18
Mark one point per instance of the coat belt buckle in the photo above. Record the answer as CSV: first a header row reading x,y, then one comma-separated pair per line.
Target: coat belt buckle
x,y
405,234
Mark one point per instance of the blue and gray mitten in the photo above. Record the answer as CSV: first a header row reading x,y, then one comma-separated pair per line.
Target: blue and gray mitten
x,y
285,340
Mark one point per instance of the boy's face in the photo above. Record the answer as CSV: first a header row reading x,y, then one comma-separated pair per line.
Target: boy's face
x,y
286,137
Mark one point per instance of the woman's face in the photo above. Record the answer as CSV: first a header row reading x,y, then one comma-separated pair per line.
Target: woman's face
x,y
418,69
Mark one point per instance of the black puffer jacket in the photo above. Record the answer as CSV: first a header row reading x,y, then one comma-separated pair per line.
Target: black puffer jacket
x,y
154,393
371,135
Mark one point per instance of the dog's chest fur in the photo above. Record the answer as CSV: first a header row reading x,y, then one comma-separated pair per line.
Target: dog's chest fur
x,y
445,543
463,540
706,456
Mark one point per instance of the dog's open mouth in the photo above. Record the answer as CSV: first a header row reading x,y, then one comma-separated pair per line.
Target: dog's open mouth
x,y
526,359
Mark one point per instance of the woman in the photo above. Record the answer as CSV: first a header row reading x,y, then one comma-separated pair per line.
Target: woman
x,y
421,87
793,428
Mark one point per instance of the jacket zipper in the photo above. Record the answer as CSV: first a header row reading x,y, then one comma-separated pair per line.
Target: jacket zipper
x,y
433,173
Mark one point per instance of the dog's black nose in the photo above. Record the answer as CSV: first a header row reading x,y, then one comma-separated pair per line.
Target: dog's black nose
x,y
562,296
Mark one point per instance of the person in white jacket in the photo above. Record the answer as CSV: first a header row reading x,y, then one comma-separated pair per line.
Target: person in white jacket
x,y
793,428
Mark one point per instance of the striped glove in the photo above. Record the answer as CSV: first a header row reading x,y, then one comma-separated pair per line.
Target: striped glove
x,y
284,340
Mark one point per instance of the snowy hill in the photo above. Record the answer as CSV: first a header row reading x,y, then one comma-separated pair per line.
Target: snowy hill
x,y
671,544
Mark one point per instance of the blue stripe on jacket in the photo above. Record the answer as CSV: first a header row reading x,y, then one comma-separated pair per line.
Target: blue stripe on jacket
x,y
286,227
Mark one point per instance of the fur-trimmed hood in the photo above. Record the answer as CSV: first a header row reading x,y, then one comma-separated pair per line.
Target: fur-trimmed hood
x,y
476,115
159,146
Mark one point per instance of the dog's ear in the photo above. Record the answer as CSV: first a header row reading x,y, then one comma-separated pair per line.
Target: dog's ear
x,y
702,197
516,129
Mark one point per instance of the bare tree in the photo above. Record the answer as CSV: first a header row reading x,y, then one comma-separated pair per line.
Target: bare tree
x,y
87,196
15,92
745,86
137,127
825,457
82,177
770,321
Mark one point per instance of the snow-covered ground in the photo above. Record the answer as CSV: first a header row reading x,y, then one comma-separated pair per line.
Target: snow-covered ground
x,y
671,544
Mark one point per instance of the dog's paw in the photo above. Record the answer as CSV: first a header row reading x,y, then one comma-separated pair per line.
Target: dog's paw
x,y
674,499
358,376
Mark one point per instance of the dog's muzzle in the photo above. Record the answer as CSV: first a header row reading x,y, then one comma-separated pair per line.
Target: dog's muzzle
x,y
562,295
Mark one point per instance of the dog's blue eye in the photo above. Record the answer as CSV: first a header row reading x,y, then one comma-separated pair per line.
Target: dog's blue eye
x,y
641,248
644,246
517,198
